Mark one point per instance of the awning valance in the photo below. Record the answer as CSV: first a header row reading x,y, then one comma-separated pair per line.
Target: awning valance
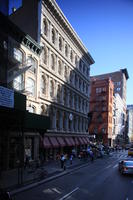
x,y
46,143
54,142
61,141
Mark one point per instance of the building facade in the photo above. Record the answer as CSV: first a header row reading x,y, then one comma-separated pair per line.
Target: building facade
x,y
101,108
130,122
63,79
118,120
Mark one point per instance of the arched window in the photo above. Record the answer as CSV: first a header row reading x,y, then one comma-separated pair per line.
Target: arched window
x,y
52,62
45,27
18,83
66,50
76,61
18,55
45,55
43,84
30,86
65,72
53,36
31,62
59,67
58,93
60,44
51,88
71,56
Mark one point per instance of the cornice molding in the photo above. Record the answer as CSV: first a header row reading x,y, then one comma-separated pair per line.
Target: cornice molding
x,y
59,16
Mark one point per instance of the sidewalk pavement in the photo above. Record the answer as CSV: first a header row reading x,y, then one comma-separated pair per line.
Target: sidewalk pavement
x,y
54,170
52,167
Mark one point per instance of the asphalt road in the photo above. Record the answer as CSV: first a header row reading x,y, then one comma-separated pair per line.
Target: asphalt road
x,y
100,180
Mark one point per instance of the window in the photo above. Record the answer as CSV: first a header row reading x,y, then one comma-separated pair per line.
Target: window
x,y
71,56
30,86
45,27
45,55
18,83
66,50
53,36
65,72
60,44
31,62
118,89
51,88
76,61
58,93
59,67
18,55
52,62
43,84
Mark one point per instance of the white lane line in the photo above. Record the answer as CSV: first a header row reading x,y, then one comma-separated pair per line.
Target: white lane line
x,y
115,166
64,197
108,167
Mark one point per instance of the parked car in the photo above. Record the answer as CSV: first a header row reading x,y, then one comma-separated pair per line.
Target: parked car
x,y
126,167
130,152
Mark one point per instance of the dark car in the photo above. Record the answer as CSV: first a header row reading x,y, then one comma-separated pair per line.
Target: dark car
x,y
126,167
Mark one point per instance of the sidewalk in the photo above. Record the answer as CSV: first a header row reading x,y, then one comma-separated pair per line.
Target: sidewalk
x,y
10,178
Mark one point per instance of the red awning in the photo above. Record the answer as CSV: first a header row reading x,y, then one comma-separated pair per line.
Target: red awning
x,y
88,141
54,142
85,141
68,141
72,141
80,140
76,141
61,141
46,143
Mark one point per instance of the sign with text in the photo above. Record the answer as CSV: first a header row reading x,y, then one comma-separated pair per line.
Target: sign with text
x,y
6,97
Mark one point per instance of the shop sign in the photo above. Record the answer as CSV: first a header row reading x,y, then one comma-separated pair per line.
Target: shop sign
x,y
6,97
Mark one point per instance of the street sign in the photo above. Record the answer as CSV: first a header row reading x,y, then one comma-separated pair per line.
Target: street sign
x,y
6,97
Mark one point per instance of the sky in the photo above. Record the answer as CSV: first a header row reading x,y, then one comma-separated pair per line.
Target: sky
x,y
106,29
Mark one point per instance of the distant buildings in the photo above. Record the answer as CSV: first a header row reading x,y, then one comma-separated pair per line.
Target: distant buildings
x,y
119,79
130,122
101,107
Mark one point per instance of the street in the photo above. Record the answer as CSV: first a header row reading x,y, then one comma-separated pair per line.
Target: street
x,y
99,180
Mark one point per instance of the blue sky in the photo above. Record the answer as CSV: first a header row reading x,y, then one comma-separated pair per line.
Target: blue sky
x,y
106,29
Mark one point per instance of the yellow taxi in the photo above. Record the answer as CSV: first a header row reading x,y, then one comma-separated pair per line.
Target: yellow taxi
x,y
130,152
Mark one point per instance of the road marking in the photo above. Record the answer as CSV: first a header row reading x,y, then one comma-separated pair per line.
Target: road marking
x,y
108,167
64,197
127,198
115,166
54,189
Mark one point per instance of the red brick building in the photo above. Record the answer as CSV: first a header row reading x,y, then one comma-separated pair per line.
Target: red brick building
x,y
101,107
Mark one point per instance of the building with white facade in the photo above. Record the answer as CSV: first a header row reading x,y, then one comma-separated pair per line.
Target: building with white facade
x,y
63,79
118,119
130,122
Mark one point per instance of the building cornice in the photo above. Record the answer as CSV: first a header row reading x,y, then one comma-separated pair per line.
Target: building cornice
x,y
58,14
10,29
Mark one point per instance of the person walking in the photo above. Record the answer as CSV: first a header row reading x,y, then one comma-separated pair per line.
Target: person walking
x,y
62,159
71,159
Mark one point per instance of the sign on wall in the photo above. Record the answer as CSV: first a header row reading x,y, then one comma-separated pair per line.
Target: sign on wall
x,y
6,97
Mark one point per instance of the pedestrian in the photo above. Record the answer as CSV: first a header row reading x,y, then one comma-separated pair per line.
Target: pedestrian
x,y
91,155
71,159
62,159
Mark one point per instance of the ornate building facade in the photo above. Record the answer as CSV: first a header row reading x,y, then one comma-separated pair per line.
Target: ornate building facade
x,y
63,76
